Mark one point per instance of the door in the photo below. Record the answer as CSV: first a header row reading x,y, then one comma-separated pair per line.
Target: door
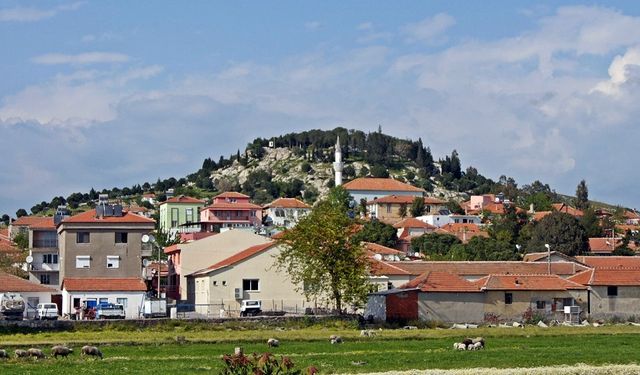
x,y
57,299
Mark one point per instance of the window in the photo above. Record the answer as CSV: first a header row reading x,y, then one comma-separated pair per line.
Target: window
x,y
540,305
83,237
104,300
113,261
83,261
428,208
188,215
508,298
122,237
612,291
251,285
45,279
224,283
175,217
122,301
215,283
50,258
388,208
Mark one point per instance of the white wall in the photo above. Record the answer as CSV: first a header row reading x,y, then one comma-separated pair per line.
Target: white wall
x,y
132,310
30,307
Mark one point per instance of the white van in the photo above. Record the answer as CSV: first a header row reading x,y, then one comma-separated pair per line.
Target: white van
x,y
47,311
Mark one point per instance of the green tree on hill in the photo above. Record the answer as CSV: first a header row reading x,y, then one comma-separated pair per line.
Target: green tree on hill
x,y
562,232
582,196
417,207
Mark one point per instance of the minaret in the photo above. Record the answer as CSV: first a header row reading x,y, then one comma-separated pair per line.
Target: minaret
x,y
337,164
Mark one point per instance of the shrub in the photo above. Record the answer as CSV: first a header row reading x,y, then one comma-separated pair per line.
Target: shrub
x,y
532,317
266,364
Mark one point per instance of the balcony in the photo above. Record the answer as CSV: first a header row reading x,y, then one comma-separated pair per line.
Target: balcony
x,y
45,244
46,267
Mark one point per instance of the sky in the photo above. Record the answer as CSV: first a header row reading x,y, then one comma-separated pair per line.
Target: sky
x,y
109,94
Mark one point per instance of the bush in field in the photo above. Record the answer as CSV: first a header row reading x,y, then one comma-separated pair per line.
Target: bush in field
x,y
265,364
532,317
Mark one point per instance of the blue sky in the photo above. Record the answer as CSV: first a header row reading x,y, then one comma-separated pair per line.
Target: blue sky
x,y
104,94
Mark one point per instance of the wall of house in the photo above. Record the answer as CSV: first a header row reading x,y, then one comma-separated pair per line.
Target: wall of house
x,y
166,217
402,306
376,307
625,304
197,255
523,300
390,212
451,307
276,291
32,299
289,217
370,195
135,301
102,244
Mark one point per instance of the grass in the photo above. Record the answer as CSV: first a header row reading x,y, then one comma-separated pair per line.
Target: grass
x,y
151,351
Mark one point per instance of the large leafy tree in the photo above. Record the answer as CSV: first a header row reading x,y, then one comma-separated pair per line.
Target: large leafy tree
x,y
562,232
320,257
377,232
417,207
434,245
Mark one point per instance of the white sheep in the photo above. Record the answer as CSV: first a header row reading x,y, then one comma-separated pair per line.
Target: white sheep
x,y
91,351
367,333
37,353
459,346
478,340
335,339
4,354
476,346
273,343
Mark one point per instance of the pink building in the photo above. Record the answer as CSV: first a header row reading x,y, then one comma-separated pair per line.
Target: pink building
x,y
230,210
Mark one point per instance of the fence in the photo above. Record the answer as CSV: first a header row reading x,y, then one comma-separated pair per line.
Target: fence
x,y
232,309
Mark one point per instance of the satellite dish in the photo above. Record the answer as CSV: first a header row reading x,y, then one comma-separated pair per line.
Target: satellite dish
x,y
145,262
377,257
146,238
29,259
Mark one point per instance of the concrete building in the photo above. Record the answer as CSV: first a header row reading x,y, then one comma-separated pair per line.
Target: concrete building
x,y
177,212
32,292
285,212
370,189
100,252
231,210
439,220
388,209
43,248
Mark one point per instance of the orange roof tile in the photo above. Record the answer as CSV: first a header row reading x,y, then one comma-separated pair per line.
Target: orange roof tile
x,y
11,283
103,284
231,194
39,222
412,222
4,233
404,199
383,184
561,207
438,281
287,203
90,217
610,261
236,258
540,214
483,268
631,215
7,246
609,277
183,199
233,206
461,227
172,248
529,282
380,268
604,244
379,249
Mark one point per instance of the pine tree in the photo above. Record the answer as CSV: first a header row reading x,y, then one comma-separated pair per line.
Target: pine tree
x,y
582,196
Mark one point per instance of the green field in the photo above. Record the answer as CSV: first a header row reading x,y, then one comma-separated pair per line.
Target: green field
x,y
156,350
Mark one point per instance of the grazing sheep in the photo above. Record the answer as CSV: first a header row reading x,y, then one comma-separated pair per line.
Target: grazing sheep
x,y
4,354
518,325
273,343
367,333
33,352
21,353
92,351
476,346
60,350
459,346
335,339
467,342
478,340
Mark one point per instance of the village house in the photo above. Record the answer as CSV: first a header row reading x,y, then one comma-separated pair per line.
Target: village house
x,y
369,189
409,229
101,258
178,212
285,212
32,292
231,210
439,220
464,232
491,203
388,209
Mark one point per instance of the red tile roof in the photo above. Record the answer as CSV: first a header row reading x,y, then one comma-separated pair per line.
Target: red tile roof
x,y
609,277
604,244
4,233
484,268
383,184
412,222
35,222
90,217
379,249
461,227
438,281
631,215
529,282
404,199
183,199
610,261
540,214
11,283
236,258
172,248
7,247
231,194
233,206
287,203
380,268
103,284
561,207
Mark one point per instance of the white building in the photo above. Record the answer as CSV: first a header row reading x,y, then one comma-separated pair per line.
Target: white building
x,y
32,292
374,188
286,212
128,292
442,220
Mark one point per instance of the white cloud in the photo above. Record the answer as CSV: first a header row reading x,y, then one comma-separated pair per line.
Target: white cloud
x,y
29,14
429,28
312,25
81,58
622,69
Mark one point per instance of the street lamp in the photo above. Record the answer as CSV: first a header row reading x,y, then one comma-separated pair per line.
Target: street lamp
x,y
548,258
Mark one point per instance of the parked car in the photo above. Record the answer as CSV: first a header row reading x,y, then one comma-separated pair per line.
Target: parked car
x,y
110,311
46,311
250,307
